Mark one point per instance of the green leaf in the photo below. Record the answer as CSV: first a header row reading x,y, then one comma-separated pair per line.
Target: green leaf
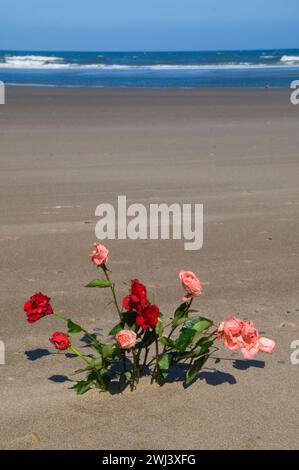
x,y
167,341
116,329
159,325
195,369
92,376
148,338
164,364
105,376
99,283
73,327
198,323
97,362
83,386
185,339
202,348
180,315
205,343
108,350
124,379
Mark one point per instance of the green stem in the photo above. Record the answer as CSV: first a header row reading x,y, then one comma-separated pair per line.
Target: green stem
x,y
112,287
100,379
134,370
94,340
157,358
145,359
175,327
124,361
58,315
81,355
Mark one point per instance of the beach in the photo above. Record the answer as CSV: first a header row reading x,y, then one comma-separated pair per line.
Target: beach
x,y
63,151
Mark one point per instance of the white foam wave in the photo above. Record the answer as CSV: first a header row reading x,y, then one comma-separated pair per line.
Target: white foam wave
x,y
32,61
51,62
38,58
244,65
289,59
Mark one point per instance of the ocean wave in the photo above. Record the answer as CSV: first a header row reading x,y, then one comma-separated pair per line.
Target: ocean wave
x,y
289,58
231,66
53,62
32,61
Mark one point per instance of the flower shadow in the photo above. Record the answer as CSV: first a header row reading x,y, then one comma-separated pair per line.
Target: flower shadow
x,y
37,354
244,365
211,376
59,378
86,340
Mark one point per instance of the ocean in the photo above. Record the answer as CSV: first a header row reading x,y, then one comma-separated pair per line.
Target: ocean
x,y
258,68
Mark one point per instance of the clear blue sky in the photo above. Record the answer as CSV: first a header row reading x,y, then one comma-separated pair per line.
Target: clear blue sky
x,y
148,24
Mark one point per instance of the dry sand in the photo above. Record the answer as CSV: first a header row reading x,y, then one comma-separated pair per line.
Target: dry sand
x,y
62,152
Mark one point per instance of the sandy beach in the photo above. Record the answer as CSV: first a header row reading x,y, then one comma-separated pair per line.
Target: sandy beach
x,y
63,152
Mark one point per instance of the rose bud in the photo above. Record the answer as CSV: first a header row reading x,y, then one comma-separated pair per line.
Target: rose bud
x,y
99,256
60,340
126,339
38,306
190,283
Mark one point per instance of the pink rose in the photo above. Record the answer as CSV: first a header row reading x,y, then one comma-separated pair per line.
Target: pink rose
x,y
230,330
126,339
237,334
99,255
251,343
233,325
267,345
190,283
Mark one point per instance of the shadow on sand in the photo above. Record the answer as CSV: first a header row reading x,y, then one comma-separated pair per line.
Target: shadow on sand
x,y
211,376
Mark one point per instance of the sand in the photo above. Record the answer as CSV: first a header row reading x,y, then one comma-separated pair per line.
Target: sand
x,y
62,152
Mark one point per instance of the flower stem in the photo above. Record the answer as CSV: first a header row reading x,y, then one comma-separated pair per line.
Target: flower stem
x,y
157,359
100,379
75,350
144,360
135,376
94,340
112,287
124,361
58,315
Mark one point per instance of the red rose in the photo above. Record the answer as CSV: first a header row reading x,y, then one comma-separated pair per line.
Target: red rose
x,y
60,340
137,299
148,317
37,306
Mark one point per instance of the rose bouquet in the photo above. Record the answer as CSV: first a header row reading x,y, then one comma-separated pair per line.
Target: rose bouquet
x,y
142,342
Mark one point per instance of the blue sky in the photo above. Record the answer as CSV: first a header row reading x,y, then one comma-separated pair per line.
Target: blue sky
x,y
148,24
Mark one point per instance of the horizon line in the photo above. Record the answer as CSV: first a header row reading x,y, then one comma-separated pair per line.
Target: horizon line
x,y
152,50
